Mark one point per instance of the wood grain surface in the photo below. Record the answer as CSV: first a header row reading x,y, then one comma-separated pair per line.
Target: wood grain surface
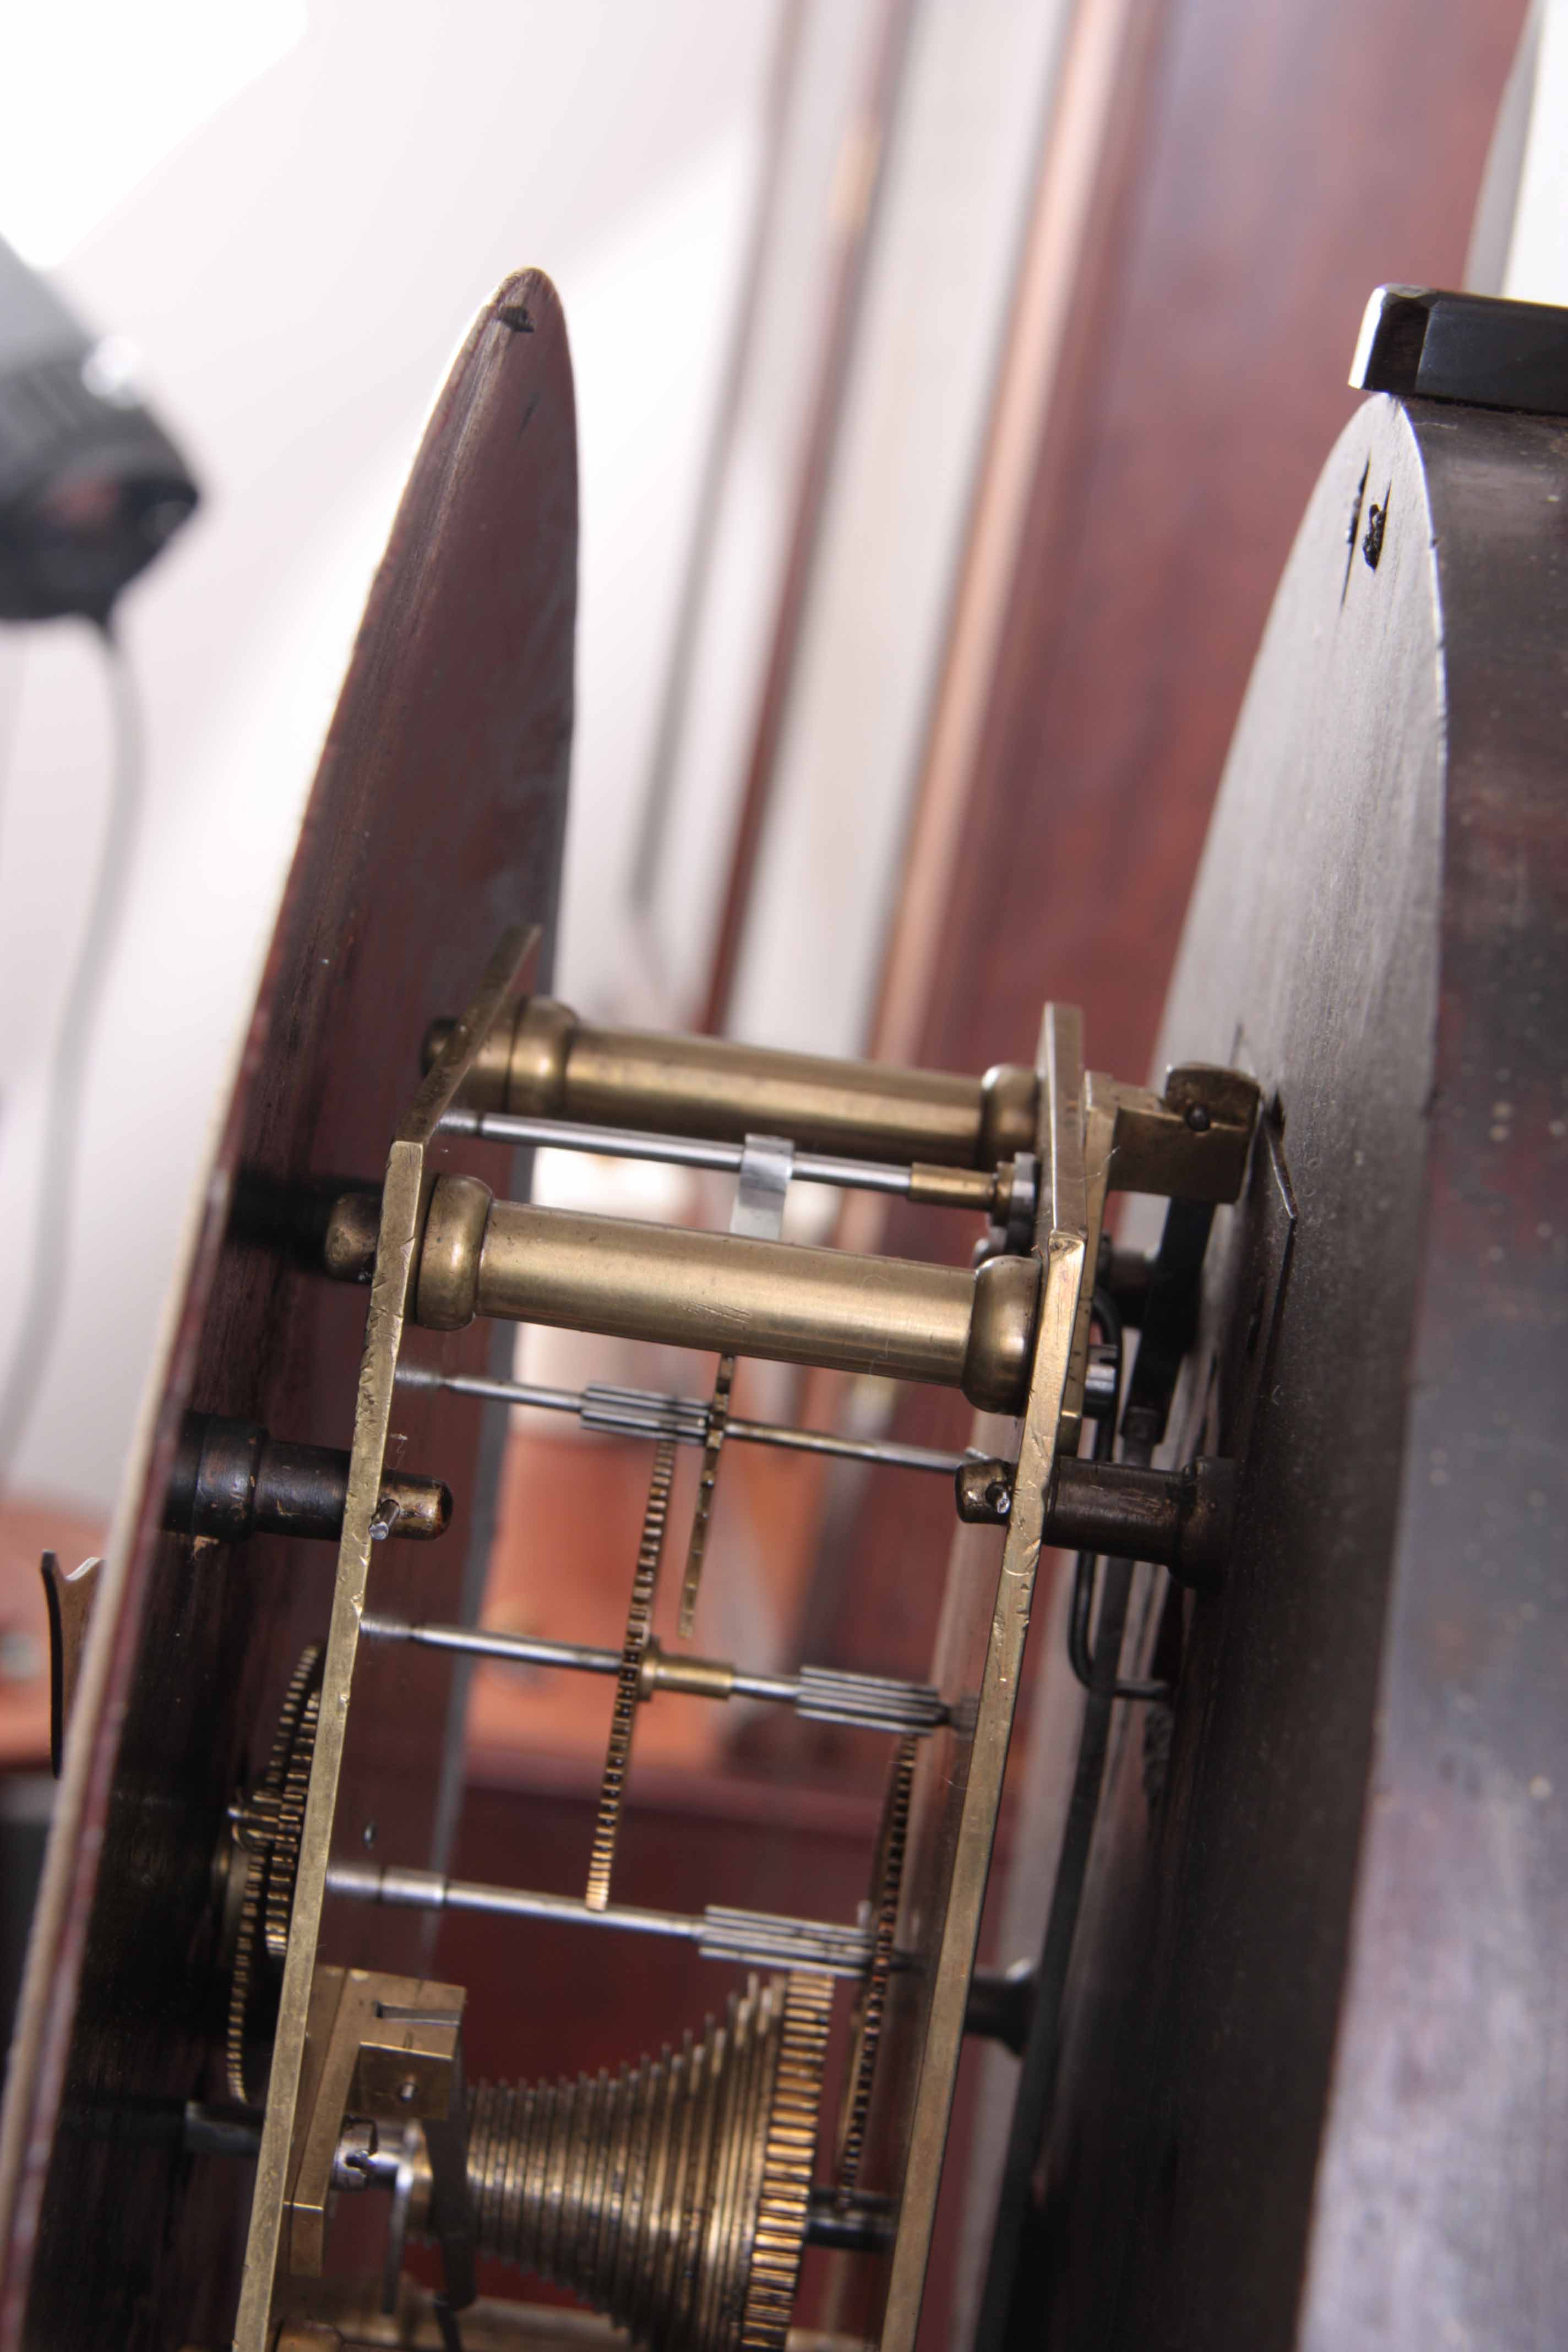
x,y
436,818
1268,163
1272,161
1304,2087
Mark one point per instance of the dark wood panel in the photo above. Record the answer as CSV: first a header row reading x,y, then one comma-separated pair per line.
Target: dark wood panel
x,y
1305,2083
436,816
1268,161
1271,160
1290,157
1444,2136
1197,2034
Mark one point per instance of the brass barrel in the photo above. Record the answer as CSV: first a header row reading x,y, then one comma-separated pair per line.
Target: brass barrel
x,y
722,1292
541,1061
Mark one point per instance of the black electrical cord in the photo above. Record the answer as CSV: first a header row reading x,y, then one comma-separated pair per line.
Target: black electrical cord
x,y
50,1254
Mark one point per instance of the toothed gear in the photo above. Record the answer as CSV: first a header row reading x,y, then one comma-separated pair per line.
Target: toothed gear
x,y
707,1482
871,2000
675,2194
289,1829
789,2150
628,1681
267,1826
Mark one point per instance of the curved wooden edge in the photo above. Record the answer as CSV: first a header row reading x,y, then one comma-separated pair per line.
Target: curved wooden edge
x,y
448,475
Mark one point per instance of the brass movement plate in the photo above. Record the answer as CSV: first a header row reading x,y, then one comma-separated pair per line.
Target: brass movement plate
x,y
979,1658
507,974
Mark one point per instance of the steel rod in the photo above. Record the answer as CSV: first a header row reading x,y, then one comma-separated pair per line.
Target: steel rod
x,y
672,1151
882,1451
782,1688
861,2227
428,1890
543,1400
875,1701
482,1642
763,1938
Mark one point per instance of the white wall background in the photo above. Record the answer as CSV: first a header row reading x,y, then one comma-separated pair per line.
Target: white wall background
x,y
296,268
959,173
294,207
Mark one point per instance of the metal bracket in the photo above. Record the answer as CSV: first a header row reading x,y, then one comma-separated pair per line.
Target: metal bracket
x,y
381,2049
1191,1143
1419,341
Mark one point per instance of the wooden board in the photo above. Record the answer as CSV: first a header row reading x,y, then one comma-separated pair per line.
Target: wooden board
x,y
436,818
1307,2081
1214,309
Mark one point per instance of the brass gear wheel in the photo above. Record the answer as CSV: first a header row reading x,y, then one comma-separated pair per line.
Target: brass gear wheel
x,y
628,1681
871,2000
707,1482
267,1827
674,2196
